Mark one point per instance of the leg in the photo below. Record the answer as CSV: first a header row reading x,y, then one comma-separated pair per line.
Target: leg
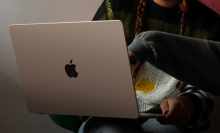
x,y
110,125
152,125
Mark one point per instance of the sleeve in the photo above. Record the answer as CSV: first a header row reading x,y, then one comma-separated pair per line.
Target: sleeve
x,y
193,61
203,106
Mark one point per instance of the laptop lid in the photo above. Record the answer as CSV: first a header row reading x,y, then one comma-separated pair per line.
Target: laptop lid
x,y
77,68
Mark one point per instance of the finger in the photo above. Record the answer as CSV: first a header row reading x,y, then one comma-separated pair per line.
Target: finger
x,y
132,59
177,114
182,116
174,111
164,107
183,119
176,118
129,54
135,69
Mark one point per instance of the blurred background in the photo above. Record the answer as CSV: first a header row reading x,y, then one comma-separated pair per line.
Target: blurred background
x,y
14,116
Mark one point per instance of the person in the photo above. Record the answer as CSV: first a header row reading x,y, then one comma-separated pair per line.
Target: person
x,y
195,53
185,107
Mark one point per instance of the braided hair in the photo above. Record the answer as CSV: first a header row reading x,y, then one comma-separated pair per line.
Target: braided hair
x,y
139,25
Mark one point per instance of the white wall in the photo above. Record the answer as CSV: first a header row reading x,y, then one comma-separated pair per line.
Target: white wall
x,y
14,116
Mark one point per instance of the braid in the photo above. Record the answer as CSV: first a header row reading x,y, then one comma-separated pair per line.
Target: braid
x,y
183,23
140,16
139,22
139,25
182,33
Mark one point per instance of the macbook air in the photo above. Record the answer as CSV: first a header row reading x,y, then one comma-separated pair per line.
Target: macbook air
x,y
76,68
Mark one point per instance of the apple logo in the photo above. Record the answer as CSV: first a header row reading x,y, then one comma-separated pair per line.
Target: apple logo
x,y
70,70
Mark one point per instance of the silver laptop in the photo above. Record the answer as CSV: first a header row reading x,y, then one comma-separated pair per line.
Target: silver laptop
x,y
77,68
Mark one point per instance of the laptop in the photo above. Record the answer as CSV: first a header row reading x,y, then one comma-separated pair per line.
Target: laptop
x,y
76,68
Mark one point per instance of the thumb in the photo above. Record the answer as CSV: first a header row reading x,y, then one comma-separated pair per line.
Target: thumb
x,y
132,59
135,69
165,107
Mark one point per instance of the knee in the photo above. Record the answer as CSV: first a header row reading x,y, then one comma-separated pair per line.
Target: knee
x,y
109,125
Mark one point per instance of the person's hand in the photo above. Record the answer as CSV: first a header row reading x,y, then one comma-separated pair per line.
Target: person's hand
x,y
135,64
177,111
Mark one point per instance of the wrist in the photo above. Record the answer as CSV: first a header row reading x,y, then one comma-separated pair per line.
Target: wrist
x,y
197,104
187,102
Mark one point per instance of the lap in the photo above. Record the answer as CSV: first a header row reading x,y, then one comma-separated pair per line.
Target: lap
x,y
109,125
118,125
152,125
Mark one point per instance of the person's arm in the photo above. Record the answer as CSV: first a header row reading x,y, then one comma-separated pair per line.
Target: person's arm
x,y
193,61
179,55
203,103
